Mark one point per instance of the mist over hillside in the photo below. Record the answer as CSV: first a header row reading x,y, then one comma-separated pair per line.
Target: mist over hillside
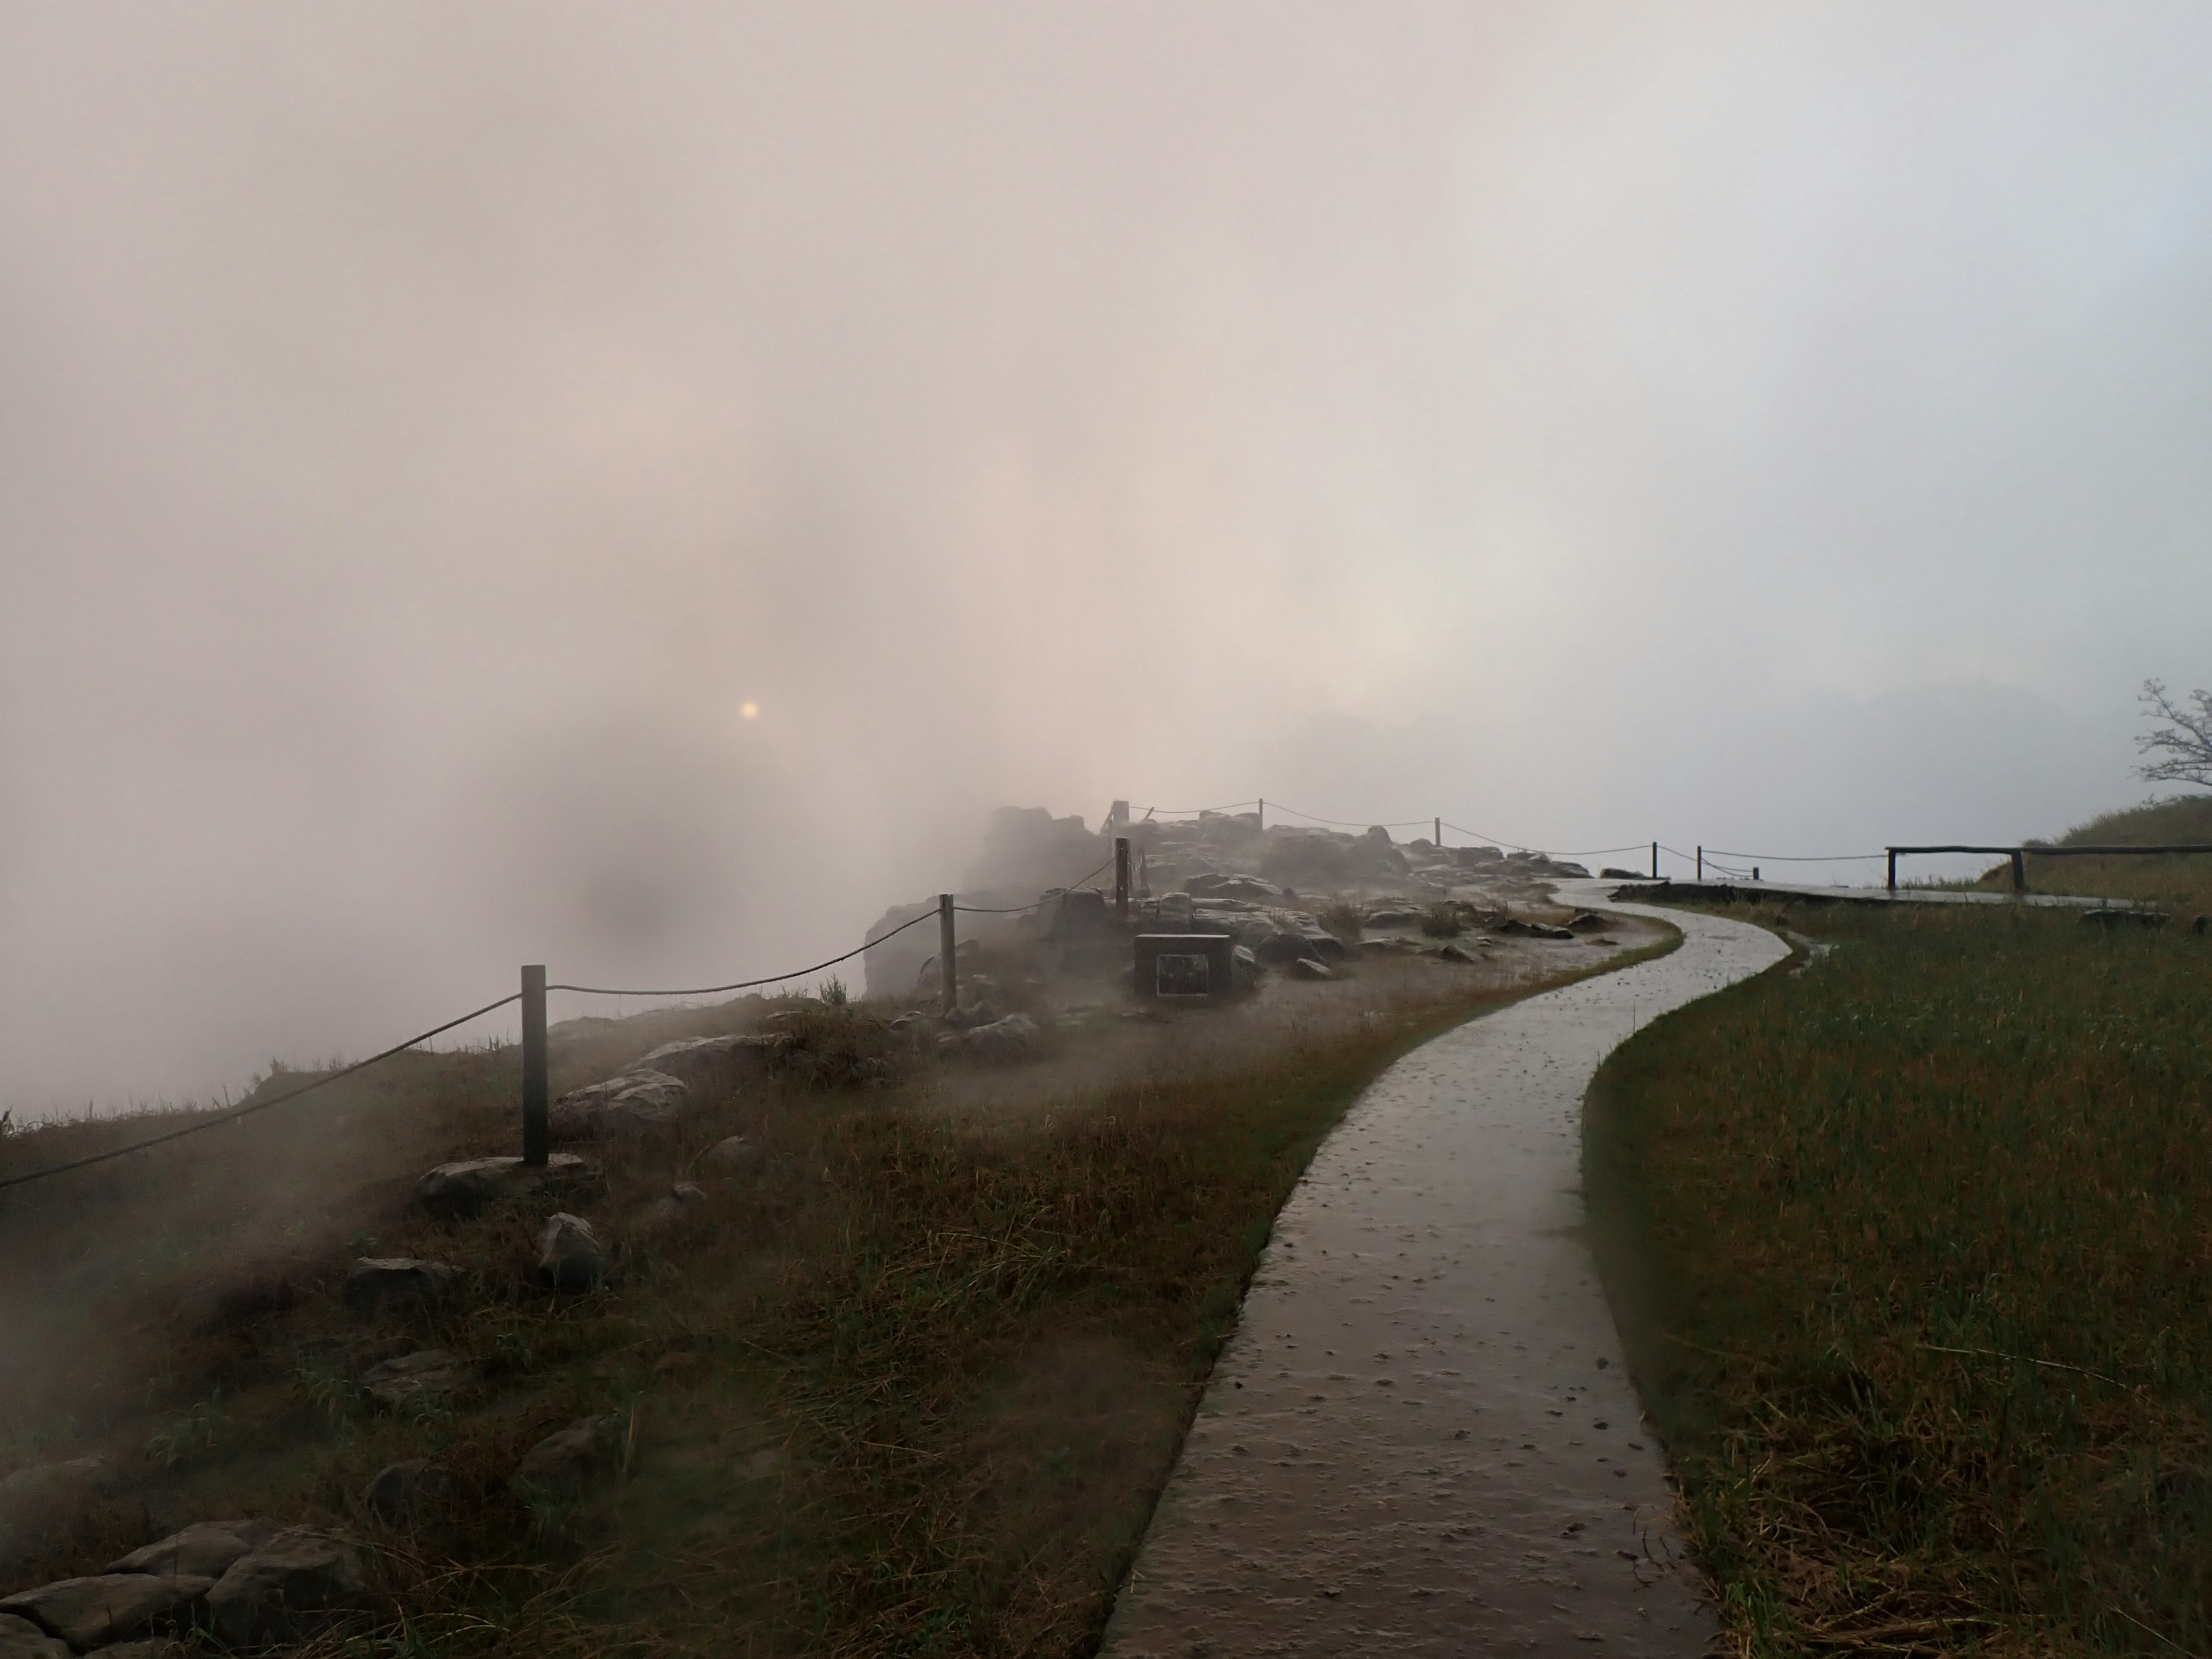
x,y
634,492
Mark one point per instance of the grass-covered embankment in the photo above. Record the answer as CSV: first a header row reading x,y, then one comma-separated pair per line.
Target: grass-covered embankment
x,y
1914,1254
2180,883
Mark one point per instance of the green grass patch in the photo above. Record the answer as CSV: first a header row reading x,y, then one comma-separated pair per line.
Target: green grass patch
x,y
1913,1251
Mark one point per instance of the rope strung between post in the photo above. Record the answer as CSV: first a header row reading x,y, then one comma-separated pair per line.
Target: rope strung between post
x,y
258,1105
929,914
1789,858
1195,812
1355,823
1015,909
1523,847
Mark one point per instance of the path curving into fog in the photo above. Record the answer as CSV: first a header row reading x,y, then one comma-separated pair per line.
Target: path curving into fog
x,y
1421,1439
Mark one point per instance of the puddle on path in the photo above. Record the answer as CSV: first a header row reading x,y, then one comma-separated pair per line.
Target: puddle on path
x,y
1422,1439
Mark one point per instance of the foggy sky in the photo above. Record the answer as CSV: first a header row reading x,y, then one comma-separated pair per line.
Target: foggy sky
x,y
424,427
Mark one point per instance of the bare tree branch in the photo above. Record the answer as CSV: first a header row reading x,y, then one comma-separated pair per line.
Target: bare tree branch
x,y
2183,747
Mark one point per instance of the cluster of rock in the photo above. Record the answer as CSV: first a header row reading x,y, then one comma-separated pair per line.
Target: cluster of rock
x,y
1216,857
251,1583
245,1583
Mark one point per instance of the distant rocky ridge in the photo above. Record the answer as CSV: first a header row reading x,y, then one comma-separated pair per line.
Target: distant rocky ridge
x,y
1219,869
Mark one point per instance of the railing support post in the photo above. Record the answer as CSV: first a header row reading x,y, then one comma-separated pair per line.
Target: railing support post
x,y
1891,851
1701,862
948,971
1655,860
1120,878
2019,870
536,1134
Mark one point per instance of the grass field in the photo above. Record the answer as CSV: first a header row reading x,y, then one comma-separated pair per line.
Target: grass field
x,y
910,1388
1913,1250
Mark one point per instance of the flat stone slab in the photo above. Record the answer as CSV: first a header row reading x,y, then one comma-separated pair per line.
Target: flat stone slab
x,y
206,1549
1422,1439
285,1586
94,1612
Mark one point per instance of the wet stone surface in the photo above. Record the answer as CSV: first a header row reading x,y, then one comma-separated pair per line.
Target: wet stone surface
x,y
1422,1439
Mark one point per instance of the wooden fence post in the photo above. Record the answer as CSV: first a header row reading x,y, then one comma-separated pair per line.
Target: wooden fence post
x,y
536,1134
1263,815
1437,826
1701,862
1120,878
948,973
2019,870
1655,860
1891,851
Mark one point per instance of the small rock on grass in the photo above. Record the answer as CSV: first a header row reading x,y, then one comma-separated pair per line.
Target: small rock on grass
x,y
22,1639
376,1280
1307,968
1010,1039
1453,953
568,1457
401,1493
735,1152
682,1200
90,1612
569,1255
275,1592
456,1191
427,1375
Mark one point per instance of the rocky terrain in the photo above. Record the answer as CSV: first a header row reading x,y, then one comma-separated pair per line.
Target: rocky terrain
x,y
1219,870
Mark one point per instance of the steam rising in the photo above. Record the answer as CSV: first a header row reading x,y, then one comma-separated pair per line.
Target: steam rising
x,y
632,490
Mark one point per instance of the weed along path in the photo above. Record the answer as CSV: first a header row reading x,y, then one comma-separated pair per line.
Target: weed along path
x,y
1422,1439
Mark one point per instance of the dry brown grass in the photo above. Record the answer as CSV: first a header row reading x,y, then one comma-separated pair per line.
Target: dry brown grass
x,y
910,1388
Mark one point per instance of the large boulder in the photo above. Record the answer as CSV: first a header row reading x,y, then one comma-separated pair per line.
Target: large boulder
x,y
376,1281
454,1191
112,1606
427,1376
569,1254
22,1639
204,1550
568,1457
277,1591
640,1099
691,1057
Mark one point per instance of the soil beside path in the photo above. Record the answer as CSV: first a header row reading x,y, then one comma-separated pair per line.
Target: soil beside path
x,y
1422,1439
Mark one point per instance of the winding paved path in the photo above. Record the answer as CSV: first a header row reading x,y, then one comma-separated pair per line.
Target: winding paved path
x,y
1421,1439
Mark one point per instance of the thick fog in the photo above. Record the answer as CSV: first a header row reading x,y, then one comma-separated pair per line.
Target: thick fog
x,y
631,487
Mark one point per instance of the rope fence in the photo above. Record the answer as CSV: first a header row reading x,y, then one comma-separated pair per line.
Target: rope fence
x,y
535,987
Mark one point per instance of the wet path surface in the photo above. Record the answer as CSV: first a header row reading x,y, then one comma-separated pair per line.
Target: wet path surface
x,y
1422,1439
